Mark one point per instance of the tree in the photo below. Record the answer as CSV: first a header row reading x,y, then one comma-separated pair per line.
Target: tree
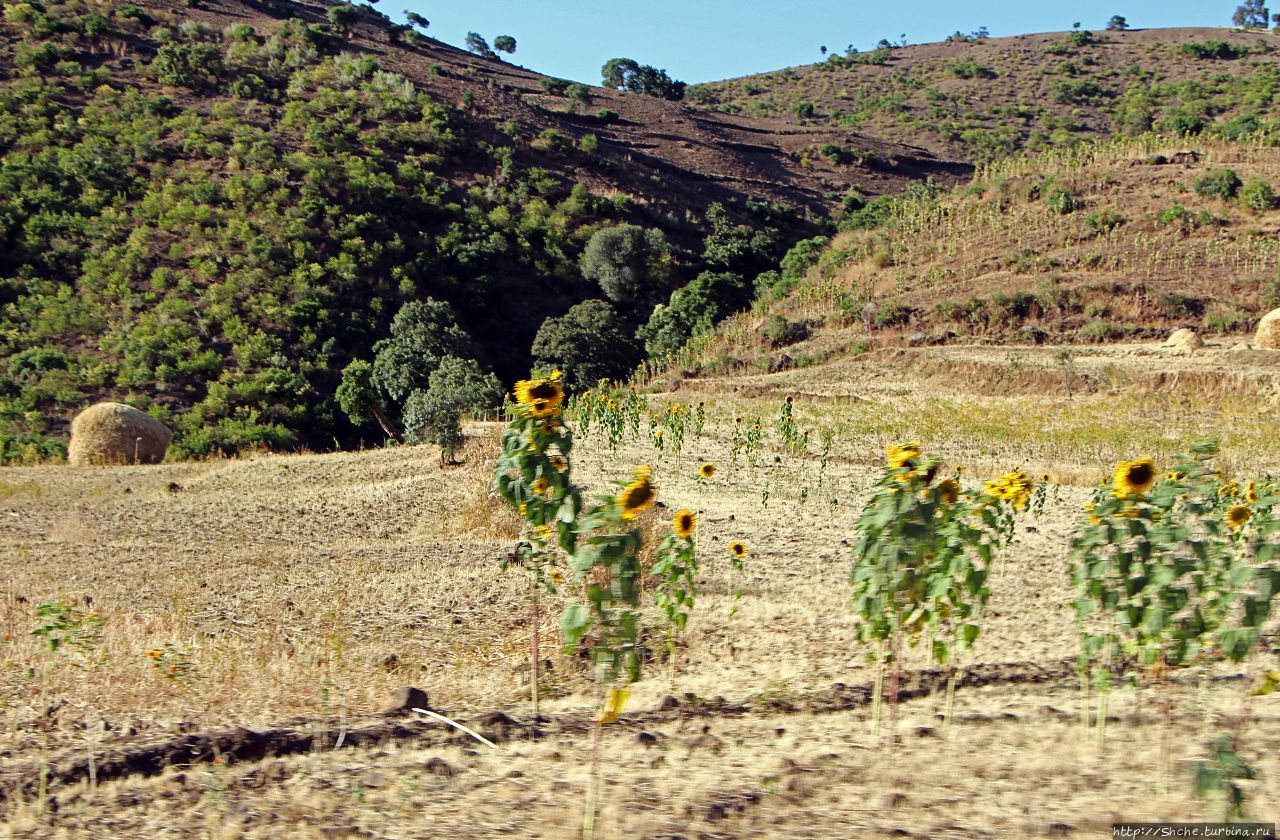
x,y
629,262
343,17
1117,24
693,309
422,333
416,19
588,343
741,249
478,45
628,74
1251,14
456,387
359,399
505,43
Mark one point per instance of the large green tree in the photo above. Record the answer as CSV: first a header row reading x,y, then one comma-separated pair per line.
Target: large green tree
x,y
422,334
457,387
588,343
630,263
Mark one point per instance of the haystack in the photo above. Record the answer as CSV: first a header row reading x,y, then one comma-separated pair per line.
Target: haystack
x,y
1184,340
114,433
1268,334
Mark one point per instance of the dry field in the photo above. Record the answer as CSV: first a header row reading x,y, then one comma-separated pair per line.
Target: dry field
x,y
292,594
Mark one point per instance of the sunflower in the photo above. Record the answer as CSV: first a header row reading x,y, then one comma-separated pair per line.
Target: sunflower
x,y
544,533
684,523
738,549
1237,515
637,496
1014,487
1229,489
949,491
539,397
1133,478
707,470
539,487
899,455
558,462
1251,492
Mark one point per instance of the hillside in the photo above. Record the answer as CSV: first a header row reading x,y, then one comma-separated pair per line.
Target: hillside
x,y
1123,240
209,209
978,99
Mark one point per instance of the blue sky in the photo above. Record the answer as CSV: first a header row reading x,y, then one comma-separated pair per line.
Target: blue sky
x,y
705,40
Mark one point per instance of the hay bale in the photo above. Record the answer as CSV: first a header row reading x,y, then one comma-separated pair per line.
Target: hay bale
x,y
1268,335
1185,341
114,433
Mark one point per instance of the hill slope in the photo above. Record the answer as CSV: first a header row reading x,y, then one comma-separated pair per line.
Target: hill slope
x,y
1122,240
209,209
978,99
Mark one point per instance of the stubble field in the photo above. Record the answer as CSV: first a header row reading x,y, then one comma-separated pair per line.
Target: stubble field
x,y
283,598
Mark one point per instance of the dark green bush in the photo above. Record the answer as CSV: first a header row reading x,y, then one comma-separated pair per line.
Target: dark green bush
x,y
1219,183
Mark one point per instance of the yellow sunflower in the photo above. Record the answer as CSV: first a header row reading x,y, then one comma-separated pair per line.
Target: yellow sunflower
x,y
558,462
1133,478
637,496
1237,515
898,455
684,522
1251,492
707,470
949,491
539,397
1229,489
540,486
738,549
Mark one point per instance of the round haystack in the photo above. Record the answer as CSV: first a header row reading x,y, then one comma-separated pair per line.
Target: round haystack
x,y
114,433
1268,335
1184,340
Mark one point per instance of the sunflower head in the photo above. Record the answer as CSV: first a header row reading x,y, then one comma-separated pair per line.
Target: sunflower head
x,y
899,455
684,522
1133,478
539,397
738,549
949,491
540,486
1251,492
1237,515
558,462
637,497
707,470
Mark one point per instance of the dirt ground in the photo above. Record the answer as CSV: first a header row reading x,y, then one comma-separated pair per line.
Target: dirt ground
x,y
293,594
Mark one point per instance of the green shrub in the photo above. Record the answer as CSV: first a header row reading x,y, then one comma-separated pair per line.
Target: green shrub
x,y
1226,318
1218,183
1103,220
1209,50
780,331
1076,91
552,140
1256,195
694,308
186,65
1100,330
894,313
970,69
